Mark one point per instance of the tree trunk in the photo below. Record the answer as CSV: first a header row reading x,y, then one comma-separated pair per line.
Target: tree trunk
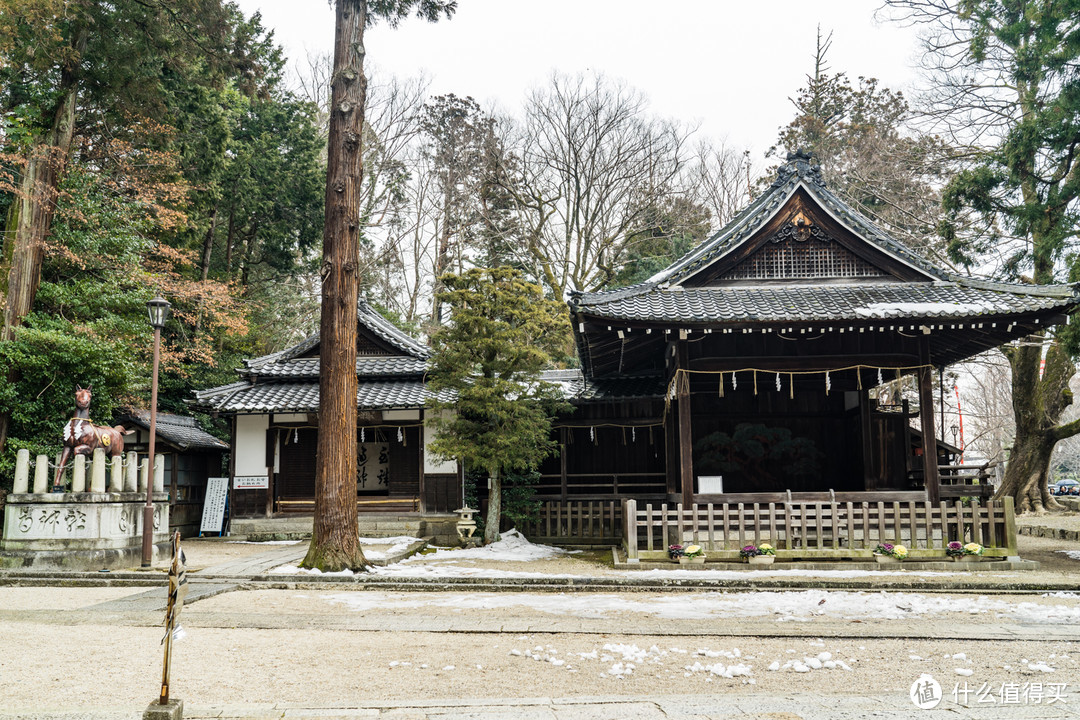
x,y
1037,406
494,513
208,244
335,541
230,237
36,203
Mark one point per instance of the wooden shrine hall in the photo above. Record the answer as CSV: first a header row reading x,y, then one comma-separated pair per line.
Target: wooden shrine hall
x,y
765,361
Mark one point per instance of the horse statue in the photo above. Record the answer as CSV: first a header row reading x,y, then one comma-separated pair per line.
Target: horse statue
x,y
83,437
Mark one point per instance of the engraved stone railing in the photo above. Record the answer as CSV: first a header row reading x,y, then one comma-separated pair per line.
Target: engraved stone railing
x,y
102,511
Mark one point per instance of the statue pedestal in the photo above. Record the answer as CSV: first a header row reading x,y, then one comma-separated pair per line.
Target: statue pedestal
x,y
78,530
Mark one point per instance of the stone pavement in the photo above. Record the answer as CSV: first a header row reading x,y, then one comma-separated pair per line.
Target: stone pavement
x,y
621,707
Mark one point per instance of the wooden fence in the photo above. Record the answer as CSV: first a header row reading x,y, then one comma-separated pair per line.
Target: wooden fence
x,y
839,528
577,522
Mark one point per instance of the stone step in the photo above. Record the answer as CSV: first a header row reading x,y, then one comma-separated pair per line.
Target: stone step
x,y
370,525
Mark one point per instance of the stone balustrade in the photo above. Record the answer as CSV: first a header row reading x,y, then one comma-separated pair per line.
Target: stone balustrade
x,y
97,523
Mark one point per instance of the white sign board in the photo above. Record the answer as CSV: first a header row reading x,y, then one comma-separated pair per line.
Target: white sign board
x,y
213,511
373,466
710,484
251,482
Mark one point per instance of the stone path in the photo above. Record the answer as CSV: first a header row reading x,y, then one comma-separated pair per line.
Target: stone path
x,y
255,564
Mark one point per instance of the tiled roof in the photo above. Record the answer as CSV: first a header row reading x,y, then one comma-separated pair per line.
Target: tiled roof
x,y
178,430
389,394
797,173
366,316
365,367
822,303
304,396
576,387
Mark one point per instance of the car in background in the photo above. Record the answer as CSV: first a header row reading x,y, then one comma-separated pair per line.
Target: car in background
x,y
1066,487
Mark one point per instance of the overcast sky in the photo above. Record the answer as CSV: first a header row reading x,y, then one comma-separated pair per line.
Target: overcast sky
x,y
730,66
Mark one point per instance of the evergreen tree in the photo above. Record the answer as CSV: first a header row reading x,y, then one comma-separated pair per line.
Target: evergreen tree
x,y
493,412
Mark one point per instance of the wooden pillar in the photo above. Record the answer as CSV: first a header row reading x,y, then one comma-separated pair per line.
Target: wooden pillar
x,y
926,417
869,478
421,487
686,460
562,462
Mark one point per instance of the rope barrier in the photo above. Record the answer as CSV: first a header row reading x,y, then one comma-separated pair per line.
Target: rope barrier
x,y
680,381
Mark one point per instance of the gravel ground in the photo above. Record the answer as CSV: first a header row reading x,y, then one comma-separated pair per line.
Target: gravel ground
x,y
215,666
228,658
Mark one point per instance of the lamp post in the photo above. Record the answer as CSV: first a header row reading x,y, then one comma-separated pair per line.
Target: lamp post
x,y
158,310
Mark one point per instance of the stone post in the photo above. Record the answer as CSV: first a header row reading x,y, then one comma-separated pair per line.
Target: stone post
x,y
144,474
159,473
78,474
22,471
131,473
97,472
41,474
116,480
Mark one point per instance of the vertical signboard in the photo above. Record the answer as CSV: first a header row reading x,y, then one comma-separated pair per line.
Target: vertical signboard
x,y
213,514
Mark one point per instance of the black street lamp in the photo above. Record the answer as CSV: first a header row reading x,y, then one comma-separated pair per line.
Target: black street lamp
x,y
158,310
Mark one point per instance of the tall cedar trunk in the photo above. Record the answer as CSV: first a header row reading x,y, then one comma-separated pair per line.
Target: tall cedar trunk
x,y
1037,406
36,204
494,513
335,543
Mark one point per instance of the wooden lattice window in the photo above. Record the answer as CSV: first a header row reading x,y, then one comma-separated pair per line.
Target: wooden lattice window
x,y
787,255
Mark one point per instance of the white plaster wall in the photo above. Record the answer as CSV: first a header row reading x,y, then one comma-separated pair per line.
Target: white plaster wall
x,y
250,447
398,415
433,465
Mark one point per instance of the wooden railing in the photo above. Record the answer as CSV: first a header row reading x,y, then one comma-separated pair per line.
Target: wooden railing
x,y
812,528
966,481
596,483
577,522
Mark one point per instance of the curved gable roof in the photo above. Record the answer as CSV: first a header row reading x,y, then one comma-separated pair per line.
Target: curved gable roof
x,y
797,173
369,319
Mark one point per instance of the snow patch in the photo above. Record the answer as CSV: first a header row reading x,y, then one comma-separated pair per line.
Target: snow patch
x,y
895,309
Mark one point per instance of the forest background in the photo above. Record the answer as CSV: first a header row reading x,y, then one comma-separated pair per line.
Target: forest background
x,y
193,166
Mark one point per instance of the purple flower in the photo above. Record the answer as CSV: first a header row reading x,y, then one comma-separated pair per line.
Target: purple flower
x,y
954,545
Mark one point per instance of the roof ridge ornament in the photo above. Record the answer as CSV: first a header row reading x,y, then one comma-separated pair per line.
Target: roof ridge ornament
x,y
799,164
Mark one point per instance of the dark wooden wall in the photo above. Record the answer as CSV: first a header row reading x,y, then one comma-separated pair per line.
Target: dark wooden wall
x,y
442,492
